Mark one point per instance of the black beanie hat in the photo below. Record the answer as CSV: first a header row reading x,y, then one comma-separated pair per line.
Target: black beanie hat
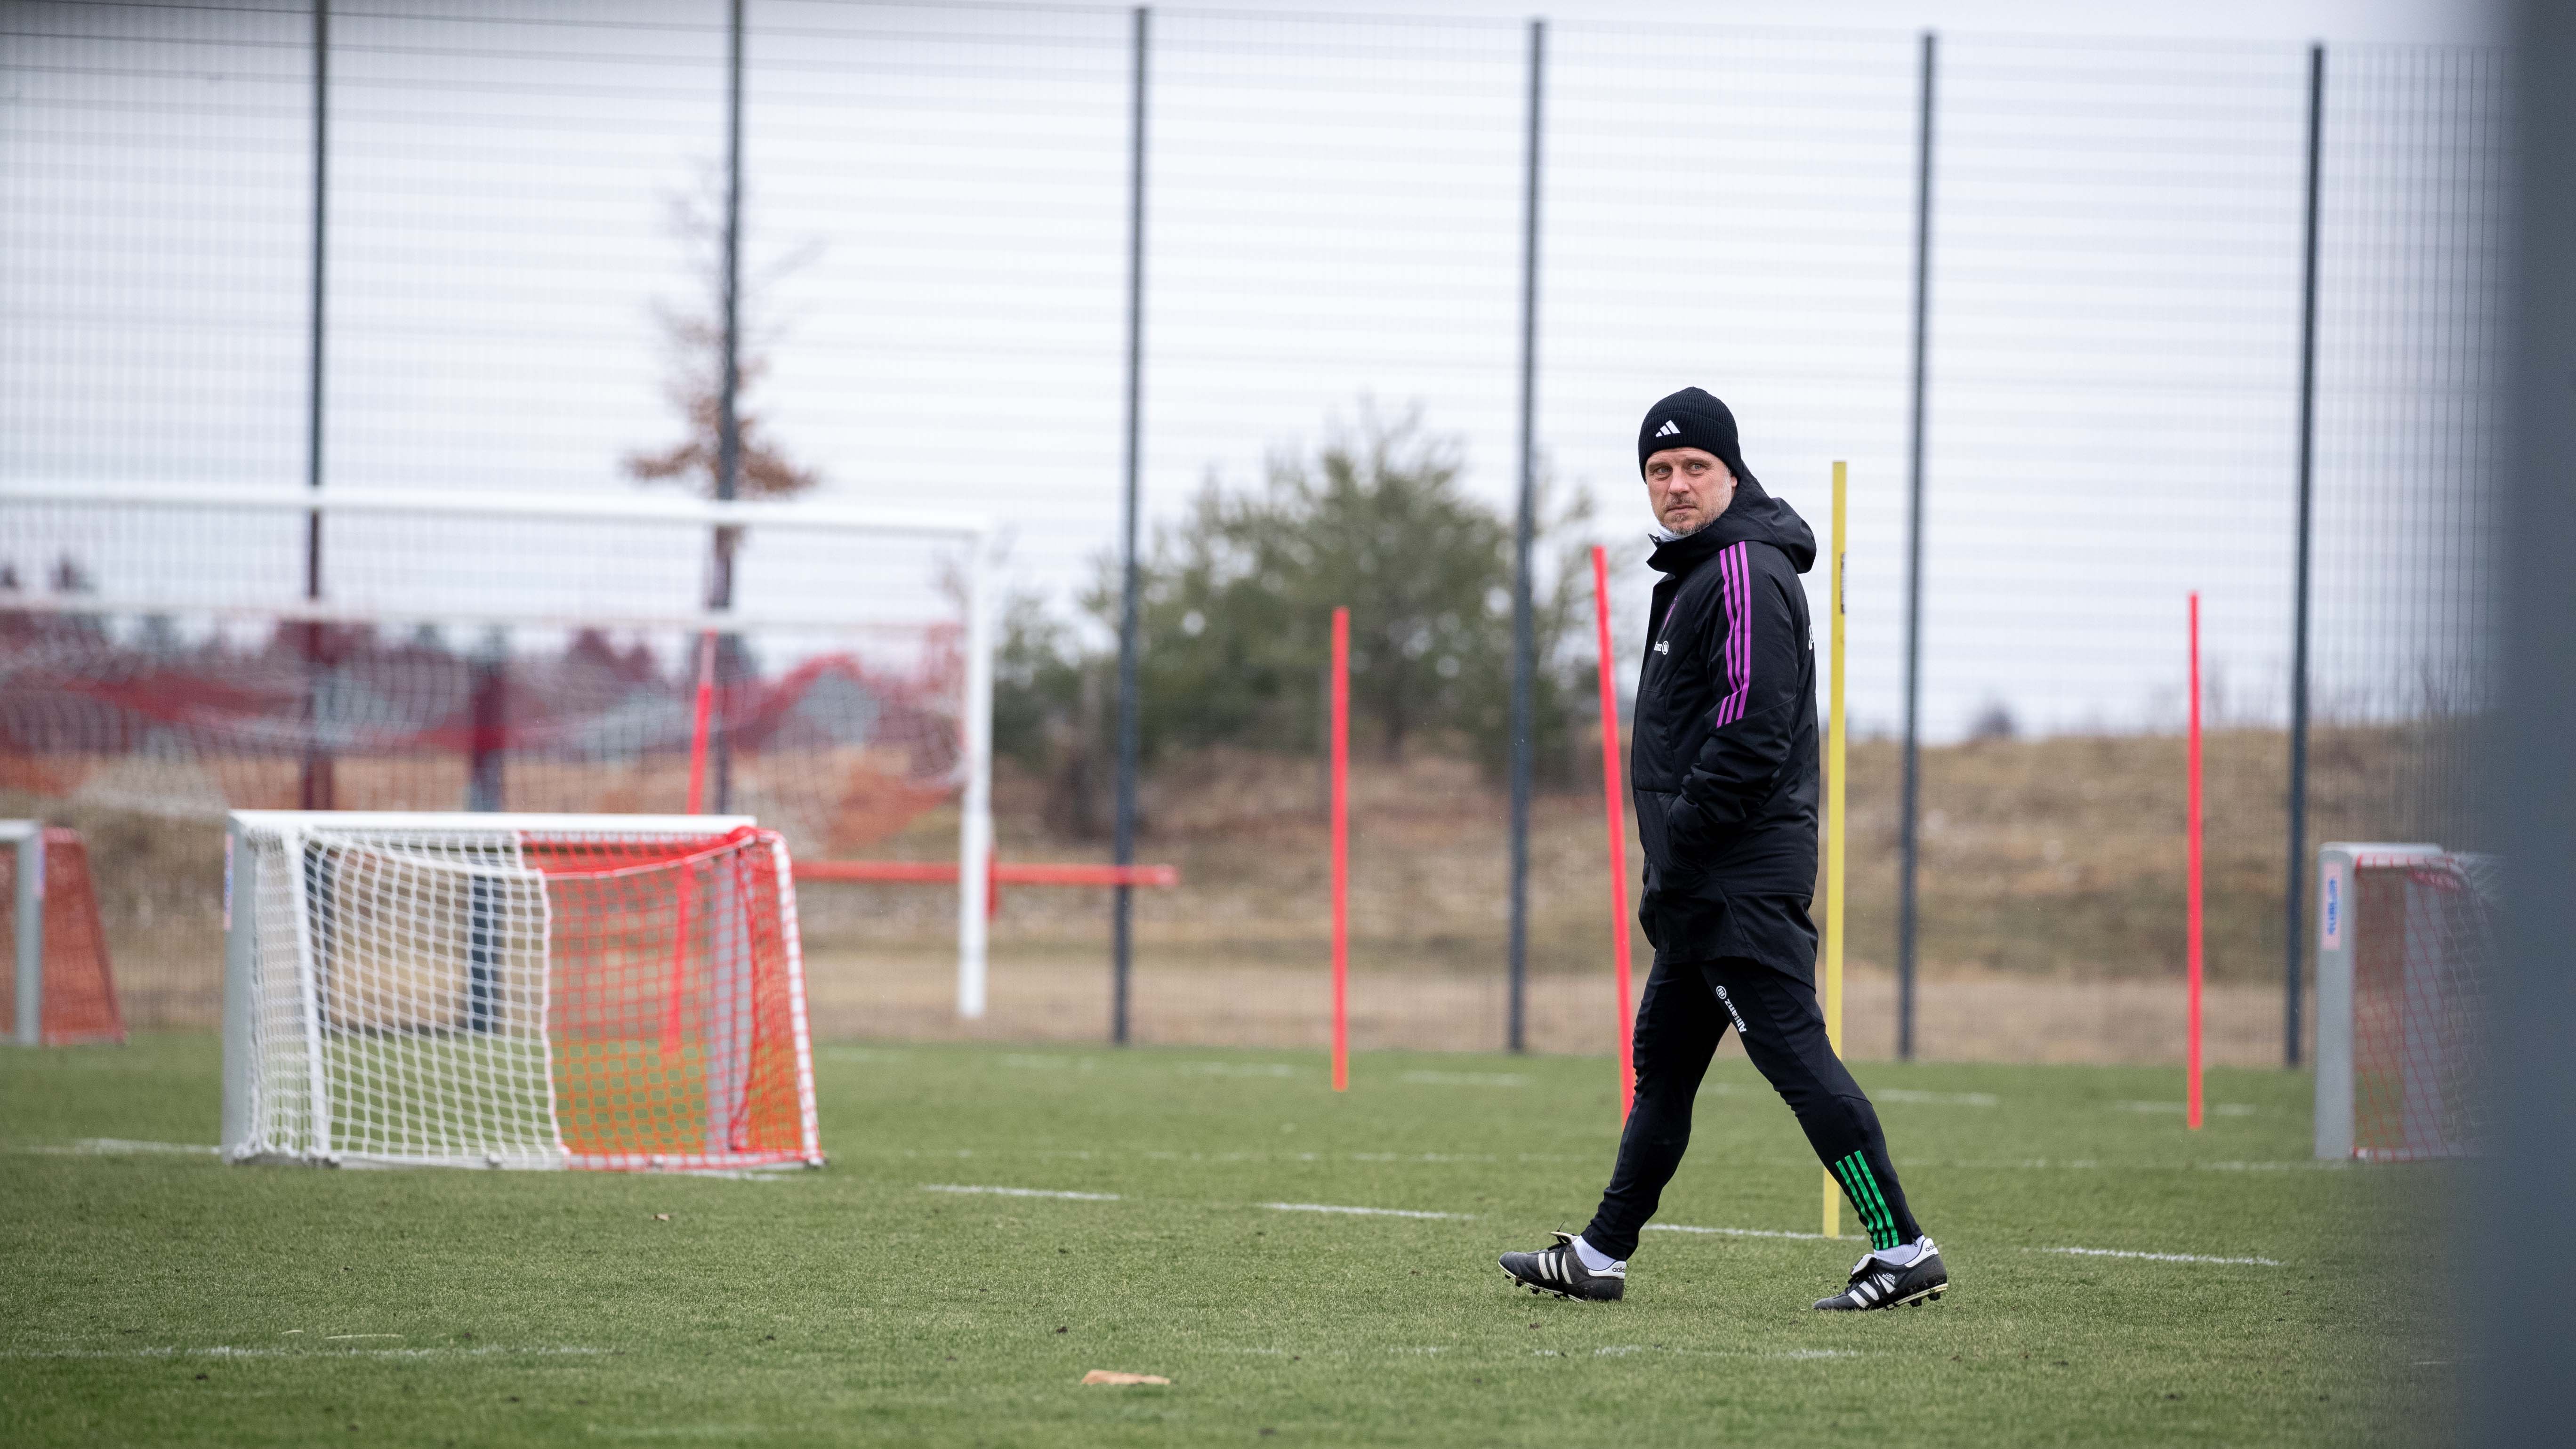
x,y
1691,418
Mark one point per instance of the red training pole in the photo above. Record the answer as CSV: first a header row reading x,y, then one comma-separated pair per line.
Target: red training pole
x,y
1341,850
677,988
1618,822
2194,829
706,717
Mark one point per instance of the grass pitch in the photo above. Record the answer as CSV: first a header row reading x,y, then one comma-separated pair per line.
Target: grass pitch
x,y
995,1222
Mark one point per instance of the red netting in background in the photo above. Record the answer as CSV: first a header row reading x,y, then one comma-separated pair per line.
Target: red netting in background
x,y
674,1005
837,746
80,987
2424,952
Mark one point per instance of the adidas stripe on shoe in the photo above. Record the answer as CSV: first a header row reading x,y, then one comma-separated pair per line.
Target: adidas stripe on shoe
x,y
1877,1283
1558,1269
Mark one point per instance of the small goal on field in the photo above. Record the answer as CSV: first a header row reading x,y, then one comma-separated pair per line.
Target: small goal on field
x,y
2406,956
499,990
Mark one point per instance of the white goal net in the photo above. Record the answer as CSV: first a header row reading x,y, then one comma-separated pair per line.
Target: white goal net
x,y
493,990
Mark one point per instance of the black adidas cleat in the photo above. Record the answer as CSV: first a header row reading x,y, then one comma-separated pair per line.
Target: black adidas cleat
x,y
1558,1269
1877,1284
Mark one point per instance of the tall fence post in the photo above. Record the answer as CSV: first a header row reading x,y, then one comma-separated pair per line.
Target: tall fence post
x,y
487,731
2294,903
1909,824
2519,1307
1525,523
728,418
314,791
1122,940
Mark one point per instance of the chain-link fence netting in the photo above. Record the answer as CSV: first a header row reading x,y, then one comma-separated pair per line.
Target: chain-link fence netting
x,y
444,245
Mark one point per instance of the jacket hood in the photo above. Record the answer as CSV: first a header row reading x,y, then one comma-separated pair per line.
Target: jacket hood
x,y
1754,517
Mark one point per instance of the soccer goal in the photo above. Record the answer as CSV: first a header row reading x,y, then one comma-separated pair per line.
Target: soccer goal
x,y
2406,950
63,991
499,990
823,667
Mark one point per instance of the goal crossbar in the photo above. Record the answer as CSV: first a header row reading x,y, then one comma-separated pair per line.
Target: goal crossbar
x,y
755,516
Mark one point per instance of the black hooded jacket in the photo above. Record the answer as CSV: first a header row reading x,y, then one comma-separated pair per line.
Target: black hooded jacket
x,y
1723,759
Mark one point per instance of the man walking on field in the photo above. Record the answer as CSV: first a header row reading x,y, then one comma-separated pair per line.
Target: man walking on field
x,y
1723,764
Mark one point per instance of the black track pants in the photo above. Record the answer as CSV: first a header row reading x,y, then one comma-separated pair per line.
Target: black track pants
x,y
1685,1010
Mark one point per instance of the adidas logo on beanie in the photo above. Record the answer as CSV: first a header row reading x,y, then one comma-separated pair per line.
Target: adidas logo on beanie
x,y
1691,418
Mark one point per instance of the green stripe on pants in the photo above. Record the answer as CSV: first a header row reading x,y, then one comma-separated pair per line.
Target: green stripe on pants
x,y
1869,1181
1852,1172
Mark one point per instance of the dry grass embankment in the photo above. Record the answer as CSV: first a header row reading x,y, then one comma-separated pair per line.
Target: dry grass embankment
x,y
2052,901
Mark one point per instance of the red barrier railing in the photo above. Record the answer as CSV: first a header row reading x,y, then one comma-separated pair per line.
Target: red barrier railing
x,y
1000,874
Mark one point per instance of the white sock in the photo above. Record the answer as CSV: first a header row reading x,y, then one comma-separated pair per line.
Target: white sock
x,y
1595,1260
1903,1254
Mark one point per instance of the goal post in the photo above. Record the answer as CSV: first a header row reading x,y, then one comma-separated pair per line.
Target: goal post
x,y
2406,949
513,990
25,840
193,648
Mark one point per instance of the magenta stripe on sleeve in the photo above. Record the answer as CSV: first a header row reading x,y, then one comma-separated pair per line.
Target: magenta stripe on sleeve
x,y
1743,629
1735,590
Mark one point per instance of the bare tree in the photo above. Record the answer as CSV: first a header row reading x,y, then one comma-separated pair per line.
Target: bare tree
x,y
696,387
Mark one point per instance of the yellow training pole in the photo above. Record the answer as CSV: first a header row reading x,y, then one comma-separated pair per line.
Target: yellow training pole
x,y
1834,799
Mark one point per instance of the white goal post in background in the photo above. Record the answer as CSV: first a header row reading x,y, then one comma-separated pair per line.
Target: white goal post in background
x,y
2406,955
64,991
206,647
497,990
25,841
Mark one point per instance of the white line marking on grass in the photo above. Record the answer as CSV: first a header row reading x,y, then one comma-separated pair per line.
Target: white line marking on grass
x,y
2223,1109
1371,1212
1236,1069
864,1054
231,1351
1020,1191
1465,1079
2160,1257
120,1147
683,1431
340,1337
1746,1232
1936,1099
